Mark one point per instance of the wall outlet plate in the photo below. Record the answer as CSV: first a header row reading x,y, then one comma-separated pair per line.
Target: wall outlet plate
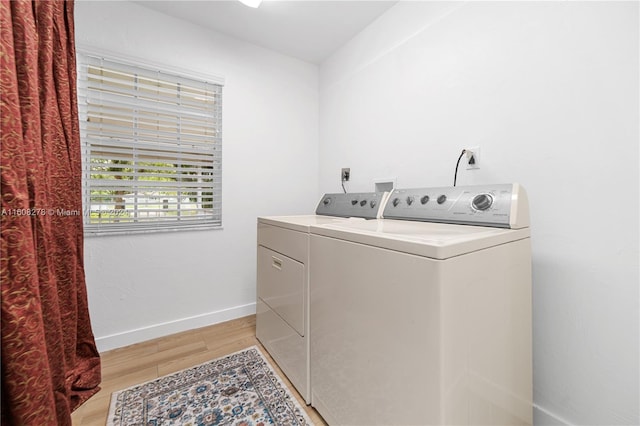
x,y
472,158
345,174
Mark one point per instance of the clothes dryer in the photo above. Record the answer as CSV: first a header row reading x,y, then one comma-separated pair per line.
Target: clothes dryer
x,y
282,311
424,317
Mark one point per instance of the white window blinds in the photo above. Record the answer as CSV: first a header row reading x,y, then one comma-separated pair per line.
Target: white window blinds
x,y
151,148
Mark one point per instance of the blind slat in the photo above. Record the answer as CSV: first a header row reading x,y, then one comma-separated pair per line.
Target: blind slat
x,y
158,145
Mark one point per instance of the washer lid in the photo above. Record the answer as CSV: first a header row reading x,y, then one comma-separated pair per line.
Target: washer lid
x,y
434,240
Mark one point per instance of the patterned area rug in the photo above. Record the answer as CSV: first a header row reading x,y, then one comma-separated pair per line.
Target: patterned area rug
x,y
240,389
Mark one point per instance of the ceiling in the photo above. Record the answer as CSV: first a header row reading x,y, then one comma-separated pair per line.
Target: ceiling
x,y
305,29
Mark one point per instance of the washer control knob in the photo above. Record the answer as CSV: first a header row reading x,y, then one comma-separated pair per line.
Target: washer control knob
x,y
354,202
442,199
482,202
395,202
372,203
326,201
410,200
363,203
424,200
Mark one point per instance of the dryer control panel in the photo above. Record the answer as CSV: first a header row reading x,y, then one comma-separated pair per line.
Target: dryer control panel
x,y
366,205
500,205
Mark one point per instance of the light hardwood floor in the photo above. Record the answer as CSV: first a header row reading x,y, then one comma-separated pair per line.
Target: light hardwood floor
x,y
125,367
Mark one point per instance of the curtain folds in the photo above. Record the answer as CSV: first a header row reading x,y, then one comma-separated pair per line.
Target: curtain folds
x,y
50,363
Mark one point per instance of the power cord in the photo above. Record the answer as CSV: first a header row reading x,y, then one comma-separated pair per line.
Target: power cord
x,y
343,188
455,175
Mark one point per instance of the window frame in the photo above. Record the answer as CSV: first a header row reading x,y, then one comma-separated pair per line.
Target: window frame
x,y
204,216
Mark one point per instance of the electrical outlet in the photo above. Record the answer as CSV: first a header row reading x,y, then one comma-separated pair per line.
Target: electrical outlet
x,y
472,157
345,174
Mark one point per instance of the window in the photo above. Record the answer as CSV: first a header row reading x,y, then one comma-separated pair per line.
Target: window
x,y
151,143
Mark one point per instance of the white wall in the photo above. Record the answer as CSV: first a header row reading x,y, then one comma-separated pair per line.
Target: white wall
x,y
549,91
144,286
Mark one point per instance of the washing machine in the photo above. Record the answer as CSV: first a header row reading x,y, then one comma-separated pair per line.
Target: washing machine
x,y
282,311
424,317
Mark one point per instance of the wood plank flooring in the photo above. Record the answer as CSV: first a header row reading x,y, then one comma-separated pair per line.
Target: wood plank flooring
x,y
125,367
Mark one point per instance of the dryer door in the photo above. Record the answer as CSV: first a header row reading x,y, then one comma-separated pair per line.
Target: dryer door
x,y
281,285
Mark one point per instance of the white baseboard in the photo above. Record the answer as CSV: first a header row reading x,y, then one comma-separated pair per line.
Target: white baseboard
x,y
542,417
130,337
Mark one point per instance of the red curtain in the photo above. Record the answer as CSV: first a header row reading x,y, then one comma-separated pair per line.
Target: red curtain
x,y
50,363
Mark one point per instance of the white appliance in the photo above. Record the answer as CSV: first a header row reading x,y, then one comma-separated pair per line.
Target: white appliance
x,y
423,317
282,312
